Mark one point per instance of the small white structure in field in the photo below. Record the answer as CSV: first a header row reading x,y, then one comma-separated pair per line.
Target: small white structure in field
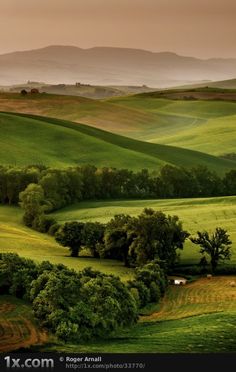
x,y
209,276
180,281
176,280
232,284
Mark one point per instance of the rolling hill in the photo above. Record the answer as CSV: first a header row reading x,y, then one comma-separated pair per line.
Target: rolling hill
x,y
204,125
196,318
196,214
222,84
110,66
81,90
17,238
28,139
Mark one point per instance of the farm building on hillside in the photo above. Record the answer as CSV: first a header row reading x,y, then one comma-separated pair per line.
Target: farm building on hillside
x,y
177,280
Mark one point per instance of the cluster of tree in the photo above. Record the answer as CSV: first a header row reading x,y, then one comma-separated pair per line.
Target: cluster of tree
x,y
74,306
139,240
149,283
13,180
35,206
65,186
133,240
76,235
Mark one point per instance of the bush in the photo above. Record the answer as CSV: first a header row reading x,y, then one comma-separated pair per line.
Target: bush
x,y
226,270
16,275
187,270
150,283
54,229
135,293
155,293
197,270
74,306
42,223
71,235
143,292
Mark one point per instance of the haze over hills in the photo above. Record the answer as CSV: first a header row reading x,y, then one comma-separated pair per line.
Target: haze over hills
x,y
222,84
108,65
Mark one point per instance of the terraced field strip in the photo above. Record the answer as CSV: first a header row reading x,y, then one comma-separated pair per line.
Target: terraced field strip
x,y
17,330
203,296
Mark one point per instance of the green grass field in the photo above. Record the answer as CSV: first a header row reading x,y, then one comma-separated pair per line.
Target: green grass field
x,y
207,126
202,125
196,214
16,238
198,317
39,140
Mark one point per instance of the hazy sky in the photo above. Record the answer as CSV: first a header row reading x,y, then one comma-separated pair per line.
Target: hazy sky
x,y
202,28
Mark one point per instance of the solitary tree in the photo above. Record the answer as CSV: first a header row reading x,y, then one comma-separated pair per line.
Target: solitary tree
x,y
217,245
71,235
23,92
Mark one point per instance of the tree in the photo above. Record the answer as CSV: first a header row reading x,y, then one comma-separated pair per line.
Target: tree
x,y
230,183
23,92
90,184
149,283
217,245
32,200
156,236
203,264
117,240
178,182
16,275
71,235
208,183
93,233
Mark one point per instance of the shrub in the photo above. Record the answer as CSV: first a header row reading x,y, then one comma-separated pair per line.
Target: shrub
x,y
226,270
74,306
150,282
54,229
155,293
143,292
42,223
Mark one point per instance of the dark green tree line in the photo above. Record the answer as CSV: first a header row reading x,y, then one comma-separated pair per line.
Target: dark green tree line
x,y
73,306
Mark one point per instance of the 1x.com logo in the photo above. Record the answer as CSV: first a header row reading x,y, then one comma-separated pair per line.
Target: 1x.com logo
x,y
28,363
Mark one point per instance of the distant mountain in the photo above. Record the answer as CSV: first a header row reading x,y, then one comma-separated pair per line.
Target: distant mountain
x,y
110,66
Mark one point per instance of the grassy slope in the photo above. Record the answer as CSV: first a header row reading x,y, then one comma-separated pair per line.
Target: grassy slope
x,y
196,214
207,126
29,139
188,124
199,317
101,114
16,238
